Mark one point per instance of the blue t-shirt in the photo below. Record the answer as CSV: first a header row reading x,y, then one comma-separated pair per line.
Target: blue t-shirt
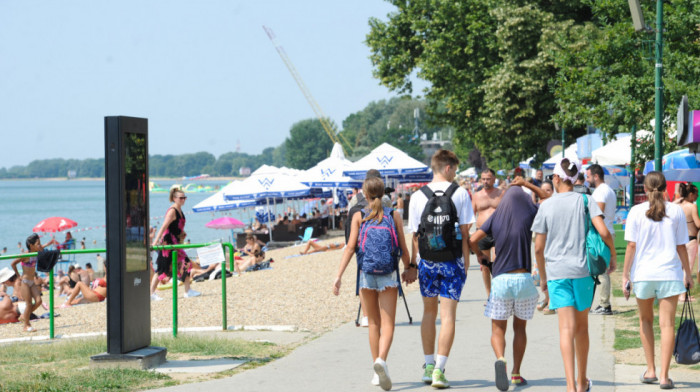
x,y
510,227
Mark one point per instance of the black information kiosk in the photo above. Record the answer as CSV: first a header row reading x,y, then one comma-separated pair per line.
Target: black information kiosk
x,y
128,275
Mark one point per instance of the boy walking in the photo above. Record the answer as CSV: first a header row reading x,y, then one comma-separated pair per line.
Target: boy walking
x,y
434,212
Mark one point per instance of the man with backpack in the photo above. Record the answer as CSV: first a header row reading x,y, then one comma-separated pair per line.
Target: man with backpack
x,y
437,213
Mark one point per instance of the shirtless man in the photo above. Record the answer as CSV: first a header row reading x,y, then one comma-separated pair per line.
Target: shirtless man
x,y
485,203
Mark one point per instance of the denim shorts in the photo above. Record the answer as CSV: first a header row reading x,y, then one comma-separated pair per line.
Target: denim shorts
x,y
445,279
378,282
571,292
647,289
512,294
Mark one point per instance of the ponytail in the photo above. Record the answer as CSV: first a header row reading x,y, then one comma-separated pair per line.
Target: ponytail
x,y
373,188
687,189
655,185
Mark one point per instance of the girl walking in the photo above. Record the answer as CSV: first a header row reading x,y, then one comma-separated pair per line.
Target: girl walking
x,y
560,244
378,285
656,262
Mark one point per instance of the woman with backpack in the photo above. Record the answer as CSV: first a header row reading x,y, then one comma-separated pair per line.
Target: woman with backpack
x,y
656,262
560,245
376,233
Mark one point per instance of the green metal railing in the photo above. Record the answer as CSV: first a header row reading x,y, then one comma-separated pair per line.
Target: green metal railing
x,y
228,245
231,249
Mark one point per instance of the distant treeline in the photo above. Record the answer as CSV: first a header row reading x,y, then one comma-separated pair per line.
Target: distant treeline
x,y
382,121
159,166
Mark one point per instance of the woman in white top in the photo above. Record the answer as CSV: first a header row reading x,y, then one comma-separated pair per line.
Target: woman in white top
x,y
656,262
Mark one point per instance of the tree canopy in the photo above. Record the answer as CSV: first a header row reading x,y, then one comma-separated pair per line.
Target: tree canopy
x,y
503,73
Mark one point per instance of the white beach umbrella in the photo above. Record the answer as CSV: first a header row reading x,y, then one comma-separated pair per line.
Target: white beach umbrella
x,y
389,160
267,186
329,174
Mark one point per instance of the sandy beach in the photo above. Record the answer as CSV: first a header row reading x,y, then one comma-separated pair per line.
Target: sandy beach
x,y
296,291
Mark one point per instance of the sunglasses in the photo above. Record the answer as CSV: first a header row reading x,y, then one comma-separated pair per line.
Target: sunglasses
x,y
182,197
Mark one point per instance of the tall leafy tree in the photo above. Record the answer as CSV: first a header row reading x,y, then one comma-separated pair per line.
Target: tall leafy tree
x,y
307,144
486,60
606,70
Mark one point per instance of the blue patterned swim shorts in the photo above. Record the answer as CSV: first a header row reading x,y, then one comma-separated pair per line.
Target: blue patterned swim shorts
x,y
445,278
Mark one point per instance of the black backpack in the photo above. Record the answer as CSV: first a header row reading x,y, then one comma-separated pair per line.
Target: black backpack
x,y
437,237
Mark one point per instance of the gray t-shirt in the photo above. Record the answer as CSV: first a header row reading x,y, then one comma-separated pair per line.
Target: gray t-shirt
x,y
562,218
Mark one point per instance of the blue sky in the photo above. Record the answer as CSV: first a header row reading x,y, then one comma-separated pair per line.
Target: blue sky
x,y
204,73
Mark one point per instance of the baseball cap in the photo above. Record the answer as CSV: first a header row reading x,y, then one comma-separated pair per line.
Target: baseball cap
x,y
6,274
76,265
570,164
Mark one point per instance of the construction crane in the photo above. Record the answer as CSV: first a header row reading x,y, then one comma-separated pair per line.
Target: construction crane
x,y
330,129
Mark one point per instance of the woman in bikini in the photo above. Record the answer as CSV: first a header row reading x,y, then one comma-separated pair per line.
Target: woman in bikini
x,y
29,290
689,194
320,248
97,293
255,255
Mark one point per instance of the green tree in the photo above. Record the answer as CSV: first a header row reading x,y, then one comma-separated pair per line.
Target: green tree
x,y
606,70
489,73
307,144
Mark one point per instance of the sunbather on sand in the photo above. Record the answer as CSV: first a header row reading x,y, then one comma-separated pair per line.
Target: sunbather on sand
x,y
9,312
320,248
255,255
97,293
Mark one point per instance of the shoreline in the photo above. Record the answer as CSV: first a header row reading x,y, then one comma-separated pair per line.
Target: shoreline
x,y
102,179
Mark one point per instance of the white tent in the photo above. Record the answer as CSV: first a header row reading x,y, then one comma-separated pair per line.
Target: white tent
x,y
618,152
570,153
389,160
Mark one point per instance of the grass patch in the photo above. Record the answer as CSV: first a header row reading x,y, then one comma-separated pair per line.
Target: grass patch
x,y
64,365
626,339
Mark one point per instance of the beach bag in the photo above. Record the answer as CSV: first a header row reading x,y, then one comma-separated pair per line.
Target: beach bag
x,y
687,347
437,236
597,253
377,245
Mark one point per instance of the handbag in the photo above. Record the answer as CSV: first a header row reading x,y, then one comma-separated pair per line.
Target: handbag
x,y
597,253
687,347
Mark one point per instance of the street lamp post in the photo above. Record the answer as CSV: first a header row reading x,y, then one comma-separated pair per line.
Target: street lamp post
x,y
659,85
639,25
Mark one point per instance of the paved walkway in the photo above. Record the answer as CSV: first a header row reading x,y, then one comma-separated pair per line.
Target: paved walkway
x,y
340,360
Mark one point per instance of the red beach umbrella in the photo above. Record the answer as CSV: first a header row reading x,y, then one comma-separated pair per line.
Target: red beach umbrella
x,y
225,222
54,224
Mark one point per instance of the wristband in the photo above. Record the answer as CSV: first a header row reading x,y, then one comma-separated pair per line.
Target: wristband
x,y
412,265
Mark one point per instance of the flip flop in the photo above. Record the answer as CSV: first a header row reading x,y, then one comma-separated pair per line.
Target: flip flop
x,y
668,385
30,329
501,375
647,380
590,385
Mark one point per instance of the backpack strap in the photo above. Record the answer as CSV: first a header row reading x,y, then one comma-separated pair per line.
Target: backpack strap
x,y
451,190
427,191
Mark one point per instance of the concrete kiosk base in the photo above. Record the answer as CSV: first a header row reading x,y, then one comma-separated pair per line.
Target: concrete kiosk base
x,y
144,358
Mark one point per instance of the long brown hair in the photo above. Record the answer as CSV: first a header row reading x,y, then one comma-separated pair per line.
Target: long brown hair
x,y
655,184
373,189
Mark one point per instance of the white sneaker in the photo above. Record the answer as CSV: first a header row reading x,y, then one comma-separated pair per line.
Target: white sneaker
x,y
156,297
192,293
375,379
383,373
364,322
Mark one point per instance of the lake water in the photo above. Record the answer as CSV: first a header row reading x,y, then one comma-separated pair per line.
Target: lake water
x,y
23,204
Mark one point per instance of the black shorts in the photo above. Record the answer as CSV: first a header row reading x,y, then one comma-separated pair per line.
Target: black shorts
x,y
486,243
